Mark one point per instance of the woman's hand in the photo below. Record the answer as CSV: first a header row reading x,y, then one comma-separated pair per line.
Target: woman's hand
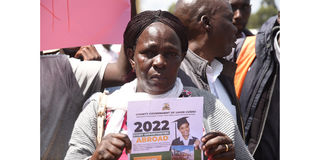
x,y
111,147
218,146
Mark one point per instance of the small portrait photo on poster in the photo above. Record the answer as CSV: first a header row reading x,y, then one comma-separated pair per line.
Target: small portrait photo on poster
x,y
184,144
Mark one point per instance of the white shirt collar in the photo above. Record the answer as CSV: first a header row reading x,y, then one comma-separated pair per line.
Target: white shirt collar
x,y
185,142
214,70
217,88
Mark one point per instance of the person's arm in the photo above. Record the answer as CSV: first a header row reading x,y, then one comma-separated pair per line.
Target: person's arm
x,y
88,53
120,72
82,143
117,73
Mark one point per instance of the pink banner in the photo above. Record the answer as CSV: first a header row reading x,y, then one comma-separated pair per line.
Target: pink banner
x,y
72,23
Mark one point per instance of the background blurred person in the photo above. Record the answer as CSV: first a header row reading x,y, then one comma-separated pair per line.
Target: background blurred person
x,y
106,53
241,13
65,84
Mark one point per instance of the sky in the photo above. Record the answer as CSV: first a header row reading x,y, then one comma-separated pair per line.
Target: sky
x,y
164,4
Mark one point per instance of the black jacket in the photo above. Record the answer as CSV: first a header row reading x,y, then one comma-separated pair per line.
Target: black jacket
x,y
259,99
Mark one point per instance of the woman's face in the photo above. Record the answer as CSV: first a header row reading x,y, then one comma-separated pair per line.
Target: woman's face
x,y
184,130
156,60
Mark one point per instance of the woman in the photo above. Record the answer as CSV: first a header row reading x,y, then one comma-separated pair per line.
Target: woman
x,y
156,43
185,139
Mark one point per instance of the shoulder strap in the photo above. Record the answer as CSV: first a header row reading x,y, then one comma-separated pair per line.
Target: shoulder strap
x,y
101,116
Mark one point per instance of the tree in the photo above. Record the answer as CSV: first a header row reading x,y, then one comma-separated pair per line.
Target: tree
x,y
268,9
172,7
268,3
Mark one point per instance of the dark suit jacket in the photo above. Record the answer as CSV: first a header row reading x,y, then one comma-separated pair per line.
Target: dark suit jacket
x,y
177,141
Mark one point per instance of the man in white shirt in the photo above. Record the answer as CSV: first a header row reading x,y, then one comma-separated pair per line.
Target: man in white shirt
x,y
211,35
65,84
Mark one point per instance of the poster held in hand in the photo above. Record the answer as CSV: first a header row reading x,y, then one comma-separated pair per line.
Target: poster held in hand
x,y
169,128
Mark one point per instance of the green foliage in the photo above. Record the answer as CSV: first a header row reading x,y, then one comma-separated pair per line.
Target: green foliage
x,y
172,8
268,3
262,15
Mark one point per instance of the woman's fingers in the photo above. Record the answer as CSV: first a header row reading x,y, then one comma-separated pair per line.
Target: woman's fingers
x,y
112,145
218,145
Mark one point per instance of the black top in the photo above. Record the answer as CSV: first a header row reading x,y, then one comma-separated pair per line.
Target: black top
x,y
268,148
177,141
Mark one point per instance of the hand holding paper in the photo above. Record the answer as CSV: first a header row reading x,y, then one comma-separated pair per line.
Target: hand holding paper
x,y
111,146
218,146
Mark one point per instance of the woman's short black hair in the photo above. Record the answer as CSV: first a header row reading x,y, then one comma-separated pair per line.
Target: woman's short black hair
x,y
142,20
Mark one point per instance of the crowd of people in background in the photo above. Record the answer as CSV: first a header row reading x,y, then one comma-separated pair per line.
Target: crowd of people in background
x,y
209,52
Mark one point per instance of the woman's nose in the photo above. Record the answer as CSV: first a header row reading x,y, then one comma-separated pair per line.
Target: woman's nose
x,y
159,61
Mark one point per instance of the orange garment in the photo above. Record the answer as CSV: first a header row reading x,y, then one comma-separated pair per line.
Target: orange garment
x,y
246,56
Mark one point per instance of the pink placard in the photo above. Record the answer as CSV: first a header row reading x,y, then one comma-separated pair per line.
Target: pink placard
x,y
72,23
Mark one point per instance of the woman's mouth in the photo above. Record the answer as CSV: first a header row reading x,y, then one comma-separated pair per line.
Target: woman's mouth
x,y
157,77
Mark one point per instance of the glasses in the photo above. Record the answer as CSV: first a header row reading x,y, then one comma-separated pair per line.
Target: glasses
x,y
243,8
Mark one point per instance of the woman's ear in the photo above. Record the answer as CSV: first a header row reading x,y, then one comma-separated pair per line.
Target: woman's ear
x,y
131,54
205,21
133,64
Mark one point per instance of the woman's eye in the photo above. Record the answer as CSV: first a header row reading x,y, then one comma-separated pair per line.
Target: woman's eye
x,y
149,54
173,54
